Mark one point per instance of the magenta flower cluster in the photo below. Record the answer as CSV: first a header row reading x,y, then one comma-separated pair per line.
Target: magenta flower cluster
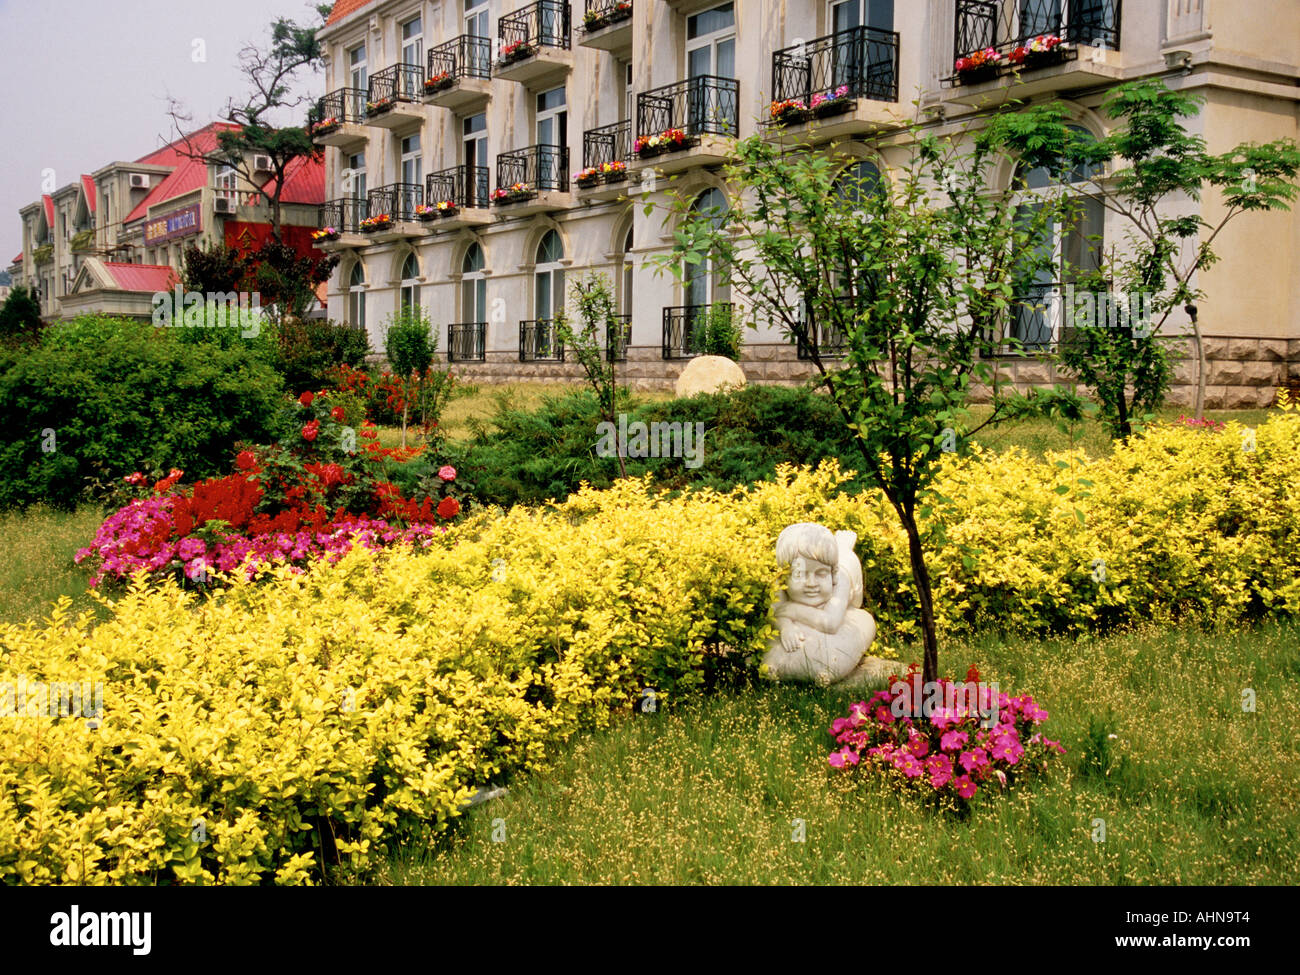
x,y
951,752
137,537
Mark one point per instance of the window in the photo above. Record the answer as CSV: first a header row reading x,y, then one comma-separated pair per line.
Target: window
x,y
548,277
357,296
412,53
877,14
711,42
475,139
409,293
705,282
552,119
1067,253
476,18
625,299
357,68
473,286
858,181
354,177
227,182
412,159
629,93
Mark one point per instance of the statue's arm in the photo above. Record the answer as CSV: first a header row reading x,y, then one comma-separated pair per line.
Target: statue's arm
x,y
828,619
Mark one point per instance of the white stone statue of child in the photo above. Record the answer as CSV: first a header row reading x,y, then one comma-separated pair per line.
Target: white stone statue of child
x,y
824,632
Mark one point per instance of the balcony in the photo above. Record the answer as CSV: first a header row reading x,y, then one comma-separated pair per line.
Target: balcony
x,y
1037,41
827,341
695,118
467,342
607,26
840,85
338,118
604,162
540,342
398,202
535,44
618,336
533,180
393,101
344,216
460,74
466,189
681,324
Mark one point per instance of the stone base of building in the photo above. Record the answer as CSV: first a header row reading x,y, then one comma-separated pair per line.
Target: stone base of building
x,y
1241,373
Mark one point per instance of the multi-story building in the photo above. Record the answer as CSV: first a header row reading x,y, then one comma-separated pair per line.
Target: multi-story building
x,y
446,105
111,240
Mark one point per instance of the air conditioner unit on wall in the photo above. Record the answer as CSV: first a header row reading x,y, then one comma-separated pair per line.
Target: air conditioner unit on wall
x,y
139,181
223,204
262,164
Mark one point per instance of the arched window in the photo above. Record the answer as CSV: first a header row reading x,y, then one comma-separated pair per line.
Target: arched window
x,y
473,286
625,297
409,296
1064,254
548,277
706,283
357,296
859,181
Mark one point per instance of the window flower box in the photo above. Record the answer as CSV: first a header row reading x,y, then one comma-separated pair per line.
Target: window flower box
x,y
671,140
439,82
324,235
381,221
425,212
445,208
614,172
326,126
588,178
517,51
833,102
595,20
1043,50
504,196
791,111
379,107
979,66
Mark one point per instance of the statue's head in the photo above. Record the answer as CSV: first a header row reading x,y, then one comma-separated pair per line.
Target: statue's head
x,y
812,555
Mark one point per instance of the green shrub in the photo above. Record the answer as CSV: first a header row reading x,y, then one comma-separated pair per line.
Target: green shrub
x,y
718,332
100,397
305,350
531,456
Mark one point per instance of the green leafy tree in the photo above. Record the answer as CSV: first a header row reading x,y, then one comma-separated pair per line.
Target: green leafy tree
x,y
594,301
20,315
1154,164
913,275
410,345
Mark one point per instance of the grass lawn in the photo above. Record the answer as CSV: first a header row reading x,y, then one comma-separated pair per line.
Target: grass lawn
x,y
1192,789
39,546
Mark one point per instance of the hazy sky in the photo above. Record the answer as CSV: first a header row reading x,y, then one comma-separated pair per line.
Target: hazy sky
x,y
86,82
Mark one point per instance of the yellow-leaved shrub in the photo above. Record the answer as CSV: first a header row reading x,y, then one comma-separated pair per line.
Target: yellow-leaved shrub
x,y
299,719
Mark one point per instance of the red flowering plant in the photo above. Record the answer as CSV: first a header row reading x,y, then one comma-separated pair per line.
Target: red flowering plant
x,y
947,741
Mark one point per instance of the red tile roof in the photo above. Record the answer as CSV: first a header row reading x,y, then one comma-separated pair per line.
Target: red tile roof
x,y
149,278
344,7
18,259
305,182
88,185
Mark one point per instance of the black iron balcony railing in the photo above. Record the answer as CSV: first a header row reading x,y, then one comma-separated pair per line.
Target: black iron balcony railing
x,y
1006,25
607,144
618,336
682,326
397,200
467,342
465,57
827,340
604,13
535,168
539,341
344,215
546,23
706,104
466,186
337,107
1037,320
862,61
398,83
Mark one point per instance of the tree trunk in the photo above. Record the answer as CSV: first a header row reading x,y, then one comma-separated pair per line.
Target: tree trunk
x,y
1200,370
921,579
